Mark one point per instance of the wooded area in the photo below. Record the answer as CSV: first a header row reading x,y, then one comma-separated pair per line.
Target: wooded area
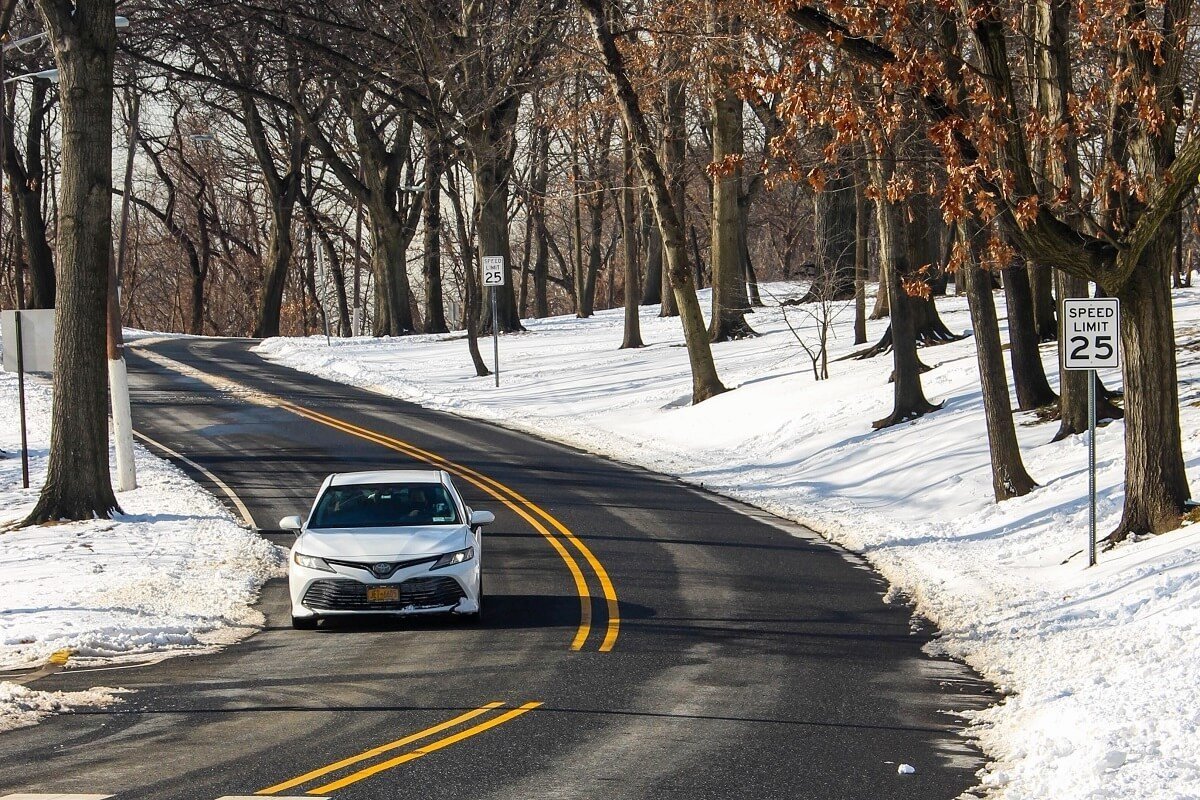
x,y
300,167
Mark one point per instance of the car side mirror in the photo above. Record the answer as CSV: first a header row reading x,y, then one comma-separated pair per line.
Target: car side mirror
x,y
479,518
291,523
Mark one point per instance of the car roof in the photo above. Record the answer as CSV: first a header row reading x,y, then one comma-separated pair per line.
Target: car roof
x,y
387,476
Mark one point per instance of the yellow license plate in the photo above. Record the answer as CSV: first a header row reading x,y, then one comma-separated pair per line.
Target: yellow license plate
x,y
382,594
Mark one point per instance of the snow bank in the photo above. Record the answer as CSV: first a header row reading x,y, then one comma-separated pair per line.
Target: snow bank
x,y
21,706
175,573
1102,664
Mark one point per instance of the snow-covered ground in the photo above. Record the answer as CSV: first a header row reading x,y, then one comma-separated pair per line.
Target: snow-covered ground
x,y
174,573
1103,664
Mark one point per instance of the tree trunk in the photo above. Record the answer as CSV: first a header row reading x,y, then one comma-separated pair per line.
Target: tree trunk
x,y
861,232
587,295
40,256
471,297
909,397
526,266
339,281
633,325
472,303
1009,477
198,260
1029,375
580,279
435,165
705,383
26,181
751,275
279,257
389,263
837,227
541,269
78,483
1156,487
1041,286
308,283
541,258
491,225
674,157
729,301
652,283
881,310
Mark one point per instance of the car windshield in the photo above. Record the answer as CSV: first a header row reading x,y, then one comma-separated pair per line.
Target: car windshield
x,y
384,505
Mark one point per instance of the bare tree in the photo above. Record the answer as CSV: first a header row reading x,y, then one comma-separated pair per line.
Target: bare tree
x,y
705,383
78,484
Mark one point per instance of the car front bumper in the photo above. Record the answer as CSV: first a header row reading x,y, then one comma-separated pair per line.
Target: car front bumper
x,y
419,590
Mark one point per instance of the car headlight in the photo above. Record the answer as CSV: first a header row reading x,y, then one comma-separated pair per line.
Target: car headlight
x,y
457,557
312,562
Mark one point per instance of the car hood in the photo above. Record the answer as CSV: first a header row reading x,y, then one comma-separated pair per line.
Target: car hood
x,y
383,543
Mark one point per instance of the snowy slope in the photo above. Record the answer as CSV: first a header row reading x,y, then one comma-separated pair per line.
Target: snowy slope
x,y
173,574
1103,664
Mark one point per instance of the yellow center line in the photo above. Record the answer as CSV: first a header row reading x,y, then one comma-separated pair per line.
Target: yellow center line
x,y
383,748
610,593
512,500
432,747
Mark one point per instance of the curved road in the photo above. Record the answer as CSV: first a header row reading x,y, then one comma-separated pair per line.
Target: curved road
x,y
642,639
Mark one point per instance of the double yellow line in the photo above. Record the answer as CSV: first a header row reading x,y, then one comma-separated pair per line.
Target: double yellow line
x,y
411,755
532,513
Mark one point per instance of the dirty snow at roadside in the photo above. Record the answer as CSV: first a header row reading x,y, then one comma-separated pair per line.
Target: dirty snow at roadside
x,y
173,574
1102,665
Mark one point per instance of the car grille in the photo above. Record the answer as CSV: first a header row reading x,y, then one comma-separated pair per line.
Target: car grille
x,y
332,594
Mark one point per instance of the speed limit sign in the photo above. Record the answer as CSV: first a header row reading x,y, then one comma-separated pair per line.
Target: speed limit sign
x,y
1091,333
493,270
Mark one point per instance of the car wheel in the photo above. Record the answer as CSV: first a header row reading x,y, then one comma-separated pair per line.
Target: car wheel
x,y
477,617
305,623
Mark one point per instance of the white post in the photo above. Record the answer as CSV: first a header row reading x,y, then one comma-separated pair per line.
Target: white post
x,y
118,377
118,382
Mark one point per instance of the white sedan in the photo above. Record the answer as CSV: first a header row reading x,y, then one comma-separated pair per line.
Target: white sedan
x,y
393,542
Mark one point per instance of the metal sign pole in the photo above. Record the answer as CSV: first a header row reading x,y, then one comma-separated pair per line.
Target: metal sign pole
x,y
1091,394
496,336
21,401
1091,338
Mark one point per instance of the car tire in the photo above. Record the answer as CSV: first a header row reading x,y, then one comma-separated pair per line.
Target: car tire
x,y
305,623
477,617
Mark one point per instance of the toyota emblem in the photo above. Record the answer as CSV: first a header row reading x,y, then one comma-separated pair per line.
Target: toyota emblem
x,y
381,570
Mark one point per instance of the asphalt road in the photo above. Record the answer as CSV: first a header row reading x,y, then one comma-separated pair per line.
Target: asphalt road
x,y
743,657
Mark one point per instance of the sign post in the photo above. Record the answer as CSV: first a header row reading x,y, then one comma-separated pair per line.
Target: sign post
x,y
28,347
1091,332
21,402
493,277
